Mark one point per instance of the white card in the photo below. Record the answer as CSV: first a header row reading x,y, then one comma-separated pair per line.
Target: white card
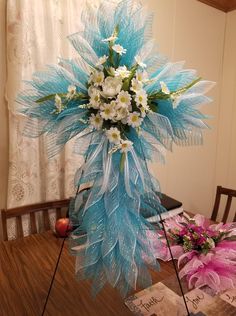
x,y
229,297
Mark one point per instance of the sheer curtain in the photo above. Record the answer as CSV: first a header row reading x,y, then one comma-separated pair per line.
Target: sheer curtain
x,y
36,36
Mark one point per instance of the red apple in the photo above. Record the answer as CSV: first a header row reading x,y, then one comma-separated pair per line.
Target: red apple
x,y
63,227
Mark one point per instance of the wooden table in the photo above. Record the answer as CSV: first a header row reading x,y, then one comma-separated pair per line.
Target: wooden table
x,y
26,270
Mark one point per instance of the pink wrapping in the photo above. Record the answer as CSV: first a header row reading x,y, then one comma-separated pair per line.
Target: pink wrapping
x,y
206,253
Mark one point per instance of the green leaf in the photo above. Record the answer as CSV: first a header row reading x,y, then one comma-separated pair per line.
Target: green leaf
x,y
231,238
46,98
122,162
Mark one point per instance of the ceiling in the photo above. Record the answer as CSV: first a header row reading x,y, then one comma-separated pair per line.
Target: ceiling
x,y
223,5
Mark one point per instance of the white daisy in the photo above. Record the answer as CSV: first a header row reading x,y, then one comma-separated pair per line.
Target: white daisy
x,y
96,121
134,119
139,61
108,111
136,85
124,99
164,87
97,77
122,72
110,39
111,87
113,134
141,76
71,91
141,98
119,49
144,110
121,114
102,60
125,146
95,99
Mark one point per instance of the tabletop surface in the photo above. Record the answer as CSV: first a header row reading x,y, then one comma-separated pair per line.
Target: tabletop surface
x,y
26,271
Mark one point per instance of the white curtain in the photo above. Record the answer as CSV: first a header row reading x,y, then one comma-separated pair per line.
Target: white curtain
x,y
36,36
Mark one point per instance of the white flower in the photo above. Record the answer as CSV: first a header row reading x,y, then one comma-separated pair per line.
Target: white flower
x,y
110,39
95,99
144,110
141,76
93,90
122,72
71,91
96,121
141,98
134,119
108,111
139,61
58,104
121,114
124,99
113,134
125,146
119,49
111,86
164,88
111,71
102,60
97,78
211,242
136,85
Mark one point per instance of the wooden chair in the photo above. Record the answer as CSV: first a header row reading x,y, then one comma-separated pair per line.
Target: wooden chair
x,y
17,212
223,191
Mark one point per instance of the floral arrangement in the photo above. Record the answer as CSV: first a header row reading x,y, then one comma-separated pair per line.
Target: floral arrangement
x,y
206,252
124,104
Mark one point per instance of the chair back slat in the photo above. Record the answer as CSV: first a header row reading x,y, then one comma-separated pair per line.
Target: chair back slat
x,y
32,209
46,220
227,208
33,227
223,191
19,227
4,225
216,205
58,212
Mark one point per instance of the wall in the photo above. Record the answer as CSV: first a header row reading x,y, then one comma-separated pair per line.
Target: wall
x,y
194,32
226,150
3,111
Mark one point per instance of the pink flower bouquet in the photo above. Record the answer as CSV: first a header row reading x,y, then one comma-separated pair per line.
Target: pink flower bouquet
x,y
206,253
